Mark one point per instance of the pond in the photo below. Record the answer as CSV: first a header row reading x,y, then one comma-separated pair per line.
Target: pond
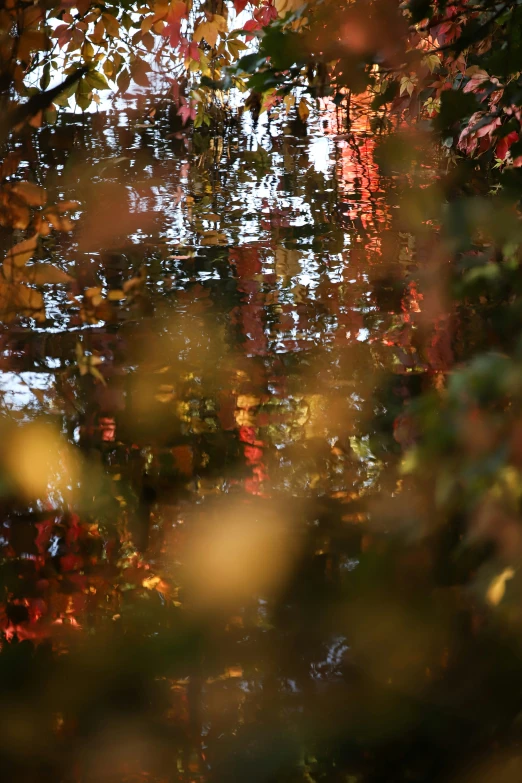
x,y
194,462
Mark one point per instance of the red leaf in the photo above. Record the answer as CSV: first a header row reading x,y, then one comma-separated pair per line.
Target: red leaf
x,y
187,112
250,26
172,29
71,562
45,529
265,14
504,144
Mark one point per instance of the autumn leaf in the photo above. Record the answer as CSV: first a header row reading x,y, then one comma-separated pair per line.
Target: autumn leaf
x,y
33,195
46,274
284,7
235,47
408,84
505,143
147,22
289,101
303,109
497,587
207,31
17,299
116,295
10,164
123,81
112,26
19,215
87,51
477,77
83,94
66,206
139,70
88,365
57,220
98,33
211,30
432,62
18,256
97,80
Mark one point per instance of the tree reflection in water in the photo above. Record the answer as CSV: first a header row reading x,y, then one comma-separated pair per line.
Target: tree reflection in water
x,y
202,534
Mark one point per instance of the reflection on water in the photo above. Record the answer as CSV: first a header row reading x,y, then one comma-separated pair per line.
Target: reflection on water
x,y
214,361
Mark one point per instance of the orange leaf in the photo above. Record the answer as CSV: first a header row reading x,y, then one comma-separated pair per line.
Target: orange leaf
x,y
112,25
34,195
17,299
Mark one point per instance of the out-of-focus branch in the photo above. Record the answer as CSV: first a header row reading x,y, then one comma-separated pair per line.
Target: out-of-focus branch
x,y
36,104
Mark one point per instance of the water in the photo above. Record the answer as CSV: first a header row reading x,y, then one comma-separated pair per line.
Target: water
x,y
196,564
257,247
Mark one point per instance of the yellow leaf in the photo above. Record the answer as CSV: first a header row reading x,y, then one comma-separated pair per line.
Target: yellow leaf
x,y
87,51
235,47
115,295
408,84
303,109
134,282
220,22
432,61
289,101
248,401
87,365
234,671
209,31
150,582
284,7
497,587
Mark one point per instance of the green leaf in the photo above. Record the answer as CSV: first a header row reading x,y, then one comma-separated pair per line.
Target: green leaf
x,y
46,76
63,98
83,95
251,62
97,81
